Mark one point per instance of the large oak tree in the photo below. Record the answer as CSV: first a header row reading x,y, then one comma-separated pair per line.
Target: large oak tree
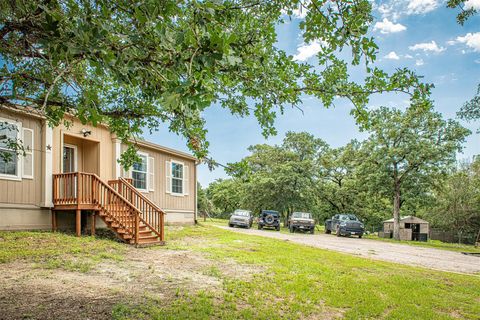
x,y
407,150
140,64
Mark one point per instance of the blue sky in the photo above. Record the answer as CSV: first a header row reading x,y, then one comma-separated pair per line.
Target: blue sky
x,y
419,34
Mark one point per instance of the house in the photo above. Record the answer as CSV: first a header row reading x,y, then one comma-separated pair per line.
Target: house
x,y
70,176
411,228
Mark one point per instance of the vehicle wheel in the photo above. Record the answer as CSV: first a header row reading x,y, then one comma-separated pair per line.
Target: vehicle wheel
x,y
312,231
360,236
328,231
291,229
277,228
230,225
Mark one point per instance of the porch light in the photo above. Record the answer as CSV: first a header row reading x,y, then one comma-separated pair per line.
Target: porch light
x,y
86,132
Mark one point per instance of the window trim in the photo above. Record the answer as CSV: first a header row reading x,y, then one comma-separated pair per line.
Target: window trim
x,y
18,176
24,176
171,178
144,154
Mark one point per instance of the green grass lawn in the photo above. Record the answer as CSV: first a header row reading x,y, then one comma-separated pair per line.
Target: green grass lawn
x,y
429,244
270,279
58,250
437,244
299,282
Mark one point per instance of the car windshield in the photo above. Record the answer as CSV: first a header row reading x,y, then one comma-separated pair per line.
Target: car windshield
x,y
242,213
267,212
350,217
302,215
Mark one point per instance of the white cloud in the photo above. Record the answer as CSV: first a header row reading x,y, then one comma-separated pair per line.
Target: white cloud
x,y
477,61
395,9
392,56
471,4
407,56
419,62
386,26
472,40
306,51
427,46
421,6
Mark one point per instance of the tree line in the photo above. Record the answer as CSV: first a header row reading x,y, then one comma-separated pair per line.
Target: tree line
x,y
406,166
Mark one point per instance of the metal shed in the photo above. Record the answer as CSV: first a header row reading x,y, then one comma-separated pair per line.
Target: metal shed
x,y
411,228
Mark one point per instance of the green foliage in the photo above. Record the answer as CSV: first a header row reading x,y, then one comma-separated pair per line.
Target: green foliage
x,y
406,156
458,200
136,65
465,13
471,109
226,195
407,152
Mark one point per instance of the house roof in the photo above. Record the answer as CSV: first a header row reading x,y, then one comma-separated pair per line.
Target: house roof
x,y
151,145
408,219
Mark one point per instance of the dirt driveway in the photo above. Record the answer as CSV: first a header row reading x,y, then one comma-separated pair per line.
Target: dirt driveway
x,y
379,250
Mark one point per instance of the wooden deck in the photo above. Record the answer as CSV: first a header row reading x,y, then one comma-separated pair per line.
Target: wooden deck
x,y
133,217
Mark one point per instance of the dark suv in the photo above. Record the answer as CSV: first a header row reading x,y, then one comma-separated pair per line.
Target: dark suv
x,y
345,225
269,219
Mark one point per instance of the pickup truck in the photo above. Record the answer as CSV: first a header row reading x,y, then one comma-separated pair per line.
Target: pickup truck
x,y
344,224
241,218
301,221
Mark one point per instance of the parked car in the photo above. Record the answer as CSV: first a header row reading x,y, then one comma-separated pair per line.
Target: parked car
x,y
345,224
301,221
269,219
241,218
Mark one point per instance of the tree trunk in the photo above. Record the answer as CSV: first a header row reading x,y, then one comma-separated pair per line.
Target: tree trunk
x,y
396,211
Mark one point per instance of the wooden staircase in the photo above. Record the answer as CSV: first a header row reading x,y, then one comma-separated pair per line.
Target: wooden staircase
x,y
132,216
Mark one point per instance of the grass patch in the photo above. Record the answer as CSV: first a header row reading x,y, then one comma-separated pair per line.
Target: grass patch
x,y
436,244
58,250
298,282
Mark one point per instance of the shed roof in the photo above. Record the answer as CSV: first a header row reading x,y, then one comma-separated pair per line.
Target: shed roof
x,y
408,219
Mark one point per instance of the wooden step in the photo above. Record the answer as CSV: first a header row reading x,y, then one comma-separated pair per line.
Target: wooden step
x,y
147,242
147,237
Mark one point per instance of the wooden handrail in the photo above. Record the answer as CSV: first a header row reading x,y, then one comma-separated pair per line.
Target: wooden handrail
x,y
131,187
78,188
152,215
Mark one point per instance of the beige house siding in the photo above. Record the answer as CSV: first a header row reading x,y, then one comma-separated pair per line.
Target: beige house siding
x,y
95,151
24,191
179,208
24,203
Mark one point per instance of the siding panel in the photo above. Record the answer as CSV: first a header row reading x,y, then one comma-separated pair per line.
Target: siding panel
x,y
26,191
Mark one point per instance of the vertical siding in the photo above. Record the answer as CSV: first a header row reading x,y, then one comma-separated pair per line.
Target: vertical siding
x,y
26,191
160,196
95,150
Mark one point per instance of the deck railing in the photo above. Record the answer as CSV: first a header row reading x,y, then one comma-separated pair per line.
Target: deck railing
x,y
78,188
151,214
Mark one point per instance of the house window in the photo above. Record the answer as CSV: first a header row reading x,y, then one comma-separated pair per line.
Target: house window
x,y
9,160
140,172
177,177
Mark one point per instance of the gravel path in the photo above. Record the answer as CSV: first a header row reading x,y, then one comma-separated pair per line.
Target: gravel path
x,y
379,250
